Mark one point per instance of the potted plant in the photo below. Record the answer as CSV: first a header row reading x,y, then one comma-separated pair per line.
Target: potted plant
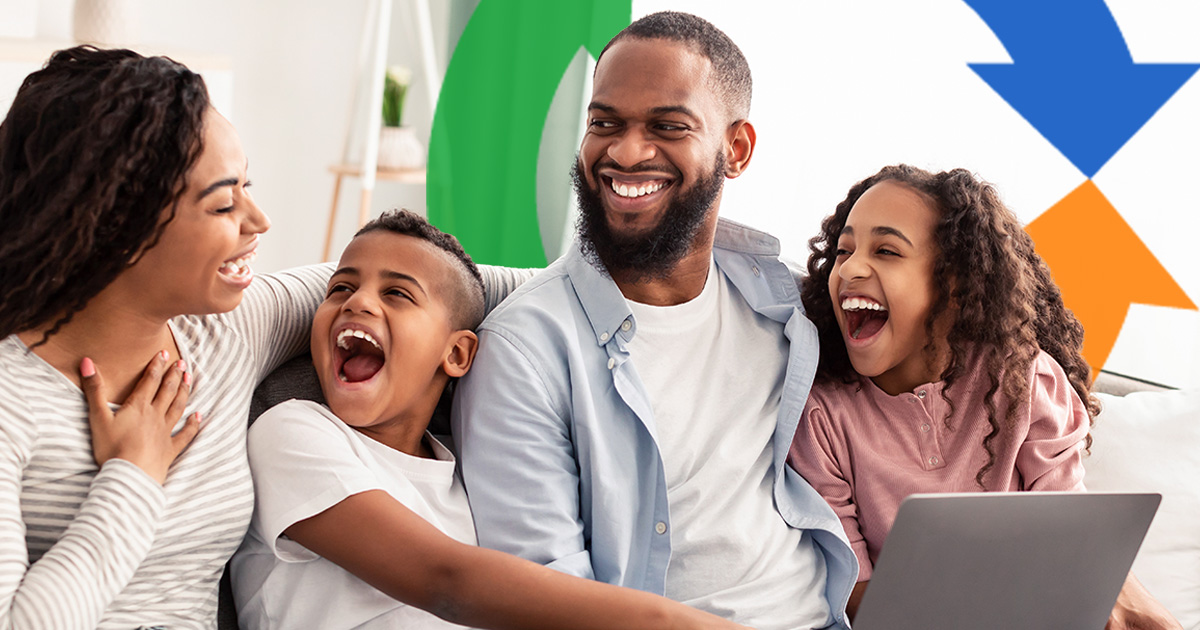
x,y
399,147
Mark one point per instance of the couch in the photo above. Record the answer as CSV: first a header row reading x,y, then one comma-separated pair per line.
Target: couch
x,y
1146,439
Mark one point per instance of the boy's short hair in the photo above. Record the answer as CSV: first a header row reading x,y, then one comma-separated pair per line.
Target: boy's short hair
x,y
464,296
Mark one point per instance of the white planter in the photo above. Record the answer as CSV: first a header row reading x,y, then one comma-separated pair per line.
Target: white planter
x,y
107,22
399,148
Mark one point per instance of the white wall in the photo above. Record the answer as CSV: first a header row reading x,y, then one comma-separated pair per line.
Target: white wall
x,y
294,64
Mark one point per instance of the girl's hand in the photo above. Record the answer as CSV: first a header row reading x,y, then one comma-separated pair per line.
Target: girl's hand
x,y
140,432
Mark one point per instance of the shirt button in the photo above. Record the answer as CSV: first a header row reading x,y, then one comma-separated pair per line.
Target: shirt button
x,y
921,394
603,336
611,363
660,527
625,325
925,427
934,461
755,270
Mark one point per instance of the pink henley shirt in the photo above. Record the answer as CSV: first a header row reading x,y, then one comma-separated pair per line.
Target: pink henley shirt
x,y
865,450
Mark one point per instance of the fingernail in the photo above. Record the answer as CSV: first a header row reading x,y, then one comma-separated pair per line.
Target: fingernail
x,y
87,368
198,417
163,355
187,378
181,365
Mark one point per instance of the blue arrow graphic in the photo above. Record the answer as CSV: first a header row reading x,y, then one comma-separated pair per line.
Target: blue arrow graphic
x,y
1072,76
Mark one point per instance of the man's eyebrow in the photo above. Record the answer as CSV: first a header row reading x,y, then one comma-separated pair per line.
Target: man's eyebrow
x,y
673,109
657,111
882,230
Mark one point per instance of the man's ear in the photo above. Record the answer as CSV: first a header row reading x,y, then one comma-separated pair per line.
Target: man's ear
x,y
739,146
460,353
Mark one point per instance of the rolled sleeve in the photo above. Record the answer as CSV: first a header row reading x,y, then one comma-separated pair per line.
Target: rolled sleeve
x,y
1051,458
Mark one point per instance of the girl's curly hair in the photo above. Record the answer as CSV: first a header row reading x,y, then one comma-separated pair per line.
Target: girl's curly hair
x,y
1005,302
93,157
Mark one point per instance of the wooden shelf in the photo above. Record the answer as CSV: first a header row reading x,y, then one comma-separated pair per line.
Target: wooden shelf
x,y
404,175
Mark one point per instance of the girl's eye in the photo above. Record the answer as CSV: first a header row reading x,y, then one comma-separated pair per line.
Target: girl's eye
x,y
398,293
841,252
337,288
888,252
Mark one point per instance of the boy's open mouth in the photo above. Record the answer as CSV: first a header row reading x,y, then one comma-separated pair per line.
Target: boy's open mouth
x,y
864,317
360,356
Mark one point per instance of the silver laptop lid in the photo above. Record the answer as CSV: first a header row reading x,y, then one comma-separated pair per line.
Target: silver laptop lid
x,y
1004,561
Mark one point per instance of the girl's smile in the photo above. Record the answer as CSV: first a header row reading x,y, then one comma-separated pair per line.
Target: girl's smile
x,y
882,285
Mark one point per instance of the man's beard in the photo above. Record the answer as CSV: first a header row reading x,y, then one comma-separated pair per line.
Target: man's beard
x,y
649,255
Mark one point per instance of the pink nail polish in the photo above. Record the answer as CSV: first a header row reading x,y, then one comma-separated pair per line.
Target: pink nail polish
x,y
87,368
187,378
162,355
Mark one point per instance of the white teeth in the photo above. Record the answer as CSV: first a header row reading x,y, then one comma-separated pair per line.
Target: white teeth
x,y
341,338
239,267
854,304
637,191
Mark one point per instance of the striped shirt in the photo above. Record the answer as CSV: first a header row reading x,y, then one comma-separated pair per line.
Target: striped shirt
x,y
83,546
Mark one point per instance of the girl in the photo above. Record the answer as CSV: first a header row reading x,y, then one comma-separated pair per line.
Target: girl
x,y
948,360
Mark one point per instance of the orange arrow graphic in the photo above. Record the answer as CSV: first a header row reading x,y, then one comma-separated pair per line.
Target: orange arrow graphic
x,y
1101,266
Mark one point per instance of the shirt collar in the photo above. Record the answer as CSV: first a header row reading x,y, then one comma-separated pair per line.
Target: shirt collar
x,y
602,300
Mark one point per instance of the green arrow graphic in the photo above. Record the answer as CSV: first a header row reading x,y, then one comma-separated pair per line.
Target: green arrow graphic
x,y
483,149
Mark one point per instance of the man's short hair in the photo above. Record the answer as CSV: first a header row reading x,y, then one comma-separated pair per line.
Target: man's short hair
x,y
731,73
464,294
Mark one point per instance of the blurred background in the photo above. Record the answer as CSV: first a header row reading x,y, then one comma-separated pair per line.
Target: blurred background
x,y
842,87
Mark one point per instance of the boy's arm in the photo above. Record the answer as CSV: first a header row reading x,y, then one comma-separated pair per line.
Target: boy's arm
x,y
517,458
378,539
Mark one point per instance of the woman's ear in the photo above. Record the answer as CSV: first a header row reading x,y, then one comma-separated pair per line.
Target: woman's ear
x,y
739,146
460,353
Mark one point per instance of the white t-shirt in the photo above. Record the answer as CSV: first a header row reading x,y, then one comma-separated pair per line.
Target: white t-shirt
x,y
714,369
305,460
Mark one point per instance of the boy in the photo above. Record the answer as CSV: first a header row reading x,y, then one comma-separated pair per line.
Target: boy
x,y
360,519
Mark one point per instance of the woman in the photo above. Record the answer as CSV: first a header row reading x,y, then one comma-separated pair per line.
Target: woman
x,y
127,231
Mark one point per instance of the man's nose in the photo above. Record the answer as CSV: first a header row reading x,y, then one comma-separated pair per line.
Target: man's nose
x,y
631,148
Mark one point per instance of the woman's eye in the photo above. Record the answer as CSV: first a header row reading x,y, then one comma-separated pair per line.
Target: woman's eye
x,y
225,210
841,252
888,252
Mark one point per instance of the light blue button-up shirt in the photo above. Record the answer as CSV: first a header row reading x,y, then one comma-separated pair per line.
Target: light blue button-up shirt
x,y
557,439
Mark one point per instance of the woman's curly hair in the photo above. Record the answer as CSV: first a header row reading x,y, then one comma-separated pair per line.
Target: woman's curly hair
x,y
93,157
1005,302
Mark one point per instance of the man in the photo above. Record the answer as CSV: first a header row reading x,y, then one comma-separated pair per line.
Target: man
x,y
631,407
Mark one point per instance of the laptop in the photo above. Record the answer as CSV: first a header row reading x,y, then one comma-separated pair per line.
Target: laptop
x,y
1005,561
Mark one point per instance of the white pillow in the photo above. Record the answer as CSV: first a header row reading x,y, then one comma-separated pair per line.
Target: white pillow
x,y
1150,442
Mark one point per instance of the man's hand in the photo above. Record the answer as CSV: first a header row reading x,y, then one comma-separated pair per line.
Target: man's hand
x,y
140,431
1137,609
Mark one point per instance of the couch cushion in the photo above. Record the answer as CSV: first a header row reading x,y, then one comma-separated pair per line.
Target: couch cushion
x,y
1150,442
